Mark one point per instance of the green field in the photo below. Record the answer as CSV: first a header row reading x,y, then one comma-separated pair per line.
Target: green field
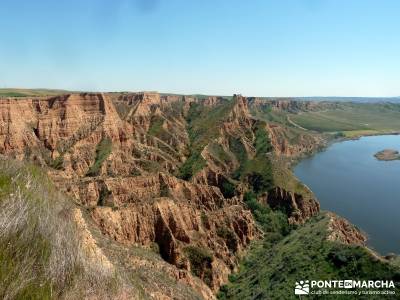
x,y
30,92
352,119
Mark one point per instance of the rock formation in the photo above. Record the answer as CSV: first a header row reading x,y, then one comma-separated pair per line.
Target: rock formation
x,y
344,232
118,155
387,154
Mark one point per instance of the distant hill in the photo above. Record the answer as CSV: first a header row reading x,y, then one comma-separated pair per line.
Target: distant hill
x,y
16,92
21,92
350,99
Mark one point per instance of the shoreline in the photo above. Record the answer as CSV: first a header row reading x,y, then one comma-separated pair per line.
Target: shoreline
x,y
293,162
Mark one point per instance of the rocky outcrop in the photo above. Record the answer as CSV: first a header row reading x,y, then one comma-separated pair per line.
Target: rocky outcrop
x,y
236,124
117,156
174,226
289,143
173,214
117,192
387,155
298,207
290,105
17,119
89,245
343,231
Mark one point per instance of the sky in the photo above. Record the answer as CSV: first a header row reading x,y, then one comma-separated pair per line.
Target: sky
x,y
219,47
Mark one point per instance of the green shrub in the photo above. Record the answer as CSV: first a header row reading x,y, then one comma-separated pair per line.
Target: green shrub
x,y
271,221
257,171
229,237
203,126
262,144
227,188
103,150
191,166
200,262
204,219
271,268
41,256
57,163
5,184
103,195
156,126
260,182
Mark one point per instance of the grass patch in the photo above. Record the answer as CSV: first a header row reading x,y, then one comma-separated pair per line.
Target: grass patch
x,y
258,170
103,150
229,237
219,152
10,92
57,163
270,272
273,222
203,126
227,188
237,148
191,166
263,144
200,262
41,255
156,126
5,184
352,117
358,133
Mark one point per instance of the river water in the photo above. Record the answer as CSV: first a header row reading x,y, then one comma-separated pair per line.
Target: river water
x,y
348,180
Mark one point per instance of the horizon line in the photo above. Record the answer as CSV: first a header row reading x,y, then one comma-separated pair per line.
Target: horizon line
x,y
183,94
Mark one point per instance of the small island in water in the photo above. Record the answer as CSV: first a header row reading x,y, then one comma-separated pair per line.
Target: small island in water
x,y
387,154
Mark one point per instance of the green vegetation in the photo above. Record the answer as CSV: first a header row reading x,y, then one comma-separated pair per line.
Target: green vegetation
x,y
229,236
227,188
204,121
289,253
204,219
200,262
258,170
263,144
40,252
267,114
5,184
104,193
238,149
204,125
219,152
273,222
284,178
271,270
57,163
156,126
122,109
30,92
191,166
350,118
103,150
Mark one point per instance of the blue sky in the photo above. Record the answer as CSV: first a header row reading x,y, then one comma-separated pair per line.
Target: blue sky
x,y
257,48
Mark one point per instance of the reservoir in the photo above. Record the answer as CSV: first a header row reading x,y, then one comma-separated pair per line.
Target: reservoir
x,y
348,180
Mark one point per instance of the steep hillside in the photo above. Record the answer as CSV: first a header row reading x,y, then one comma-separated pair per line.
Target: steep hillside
x,y
44,253
169,190
326,248
50,249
